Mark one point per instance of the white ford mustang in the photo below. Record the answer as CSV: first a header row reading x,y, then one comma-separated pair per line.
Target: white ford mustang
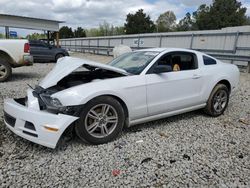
x,y
98,100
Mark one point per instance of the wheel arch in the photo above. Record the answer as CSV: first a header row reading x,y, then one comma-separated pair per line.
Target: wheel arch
x,y
222,80
121,101
226,83
210,109
6,56
69,130
59,53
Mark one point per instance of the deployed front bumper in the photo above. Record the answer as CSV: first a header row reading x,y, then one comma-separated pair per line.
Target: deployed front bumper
x,y
30,122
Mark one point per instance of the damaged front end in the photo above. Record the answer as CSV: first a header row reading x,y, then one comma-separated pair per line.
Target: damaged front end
x,y
53,105
25,118
42,117
67,74
74,71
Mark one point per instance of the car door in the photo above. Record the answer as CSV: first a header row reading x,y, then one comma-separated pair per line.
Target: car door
x,y
40,51
174,90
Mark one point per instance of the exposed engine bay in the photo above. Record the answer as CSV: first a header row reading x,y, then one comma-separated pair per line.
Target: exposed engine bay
x,y
84,75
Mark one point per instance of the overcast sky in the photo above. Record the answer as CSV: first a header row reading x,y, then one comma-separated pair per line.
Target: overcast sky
x,y
90,13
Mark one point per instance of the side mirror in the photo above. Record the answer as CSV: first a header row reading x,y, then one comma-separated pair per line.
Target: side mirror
x,y
50,47
162,68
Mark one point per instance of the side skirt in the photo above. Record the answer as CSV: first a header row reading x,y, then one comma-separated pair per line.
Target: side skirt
x,y
164,115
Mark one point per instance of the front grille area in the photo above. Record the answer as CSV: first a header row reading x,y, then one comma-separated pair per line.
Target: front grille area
x,y
21,101
31,134
29,125
9,119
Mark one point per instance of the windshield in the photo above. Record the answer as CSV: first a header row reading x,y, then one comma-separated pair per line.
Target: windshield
x,y
134,62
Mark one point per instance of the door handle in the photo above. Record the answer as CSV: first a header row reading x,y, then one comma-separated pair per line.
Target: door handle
x,y
196,76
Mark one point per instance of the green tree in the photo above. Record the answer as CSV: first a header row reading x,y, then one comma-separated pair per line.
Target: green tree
x,y
2,36
105,29
139,23
166,21
93,32
202,17
222,13
226,13
186,24
66,32
79,32
36,36
248,21
119,30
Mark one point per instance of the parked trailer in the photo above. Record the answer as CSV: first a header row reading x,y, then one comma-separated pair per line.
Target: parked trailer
x,y
230,44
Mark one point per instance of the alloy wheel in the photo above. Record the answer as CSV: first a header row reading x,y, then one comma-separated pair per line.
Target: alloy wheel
x,y
220,101
101,120
3,71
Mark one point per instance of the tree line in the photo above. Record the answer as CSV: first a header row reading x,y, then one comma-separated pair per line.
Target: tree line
x,y
220,14
104,29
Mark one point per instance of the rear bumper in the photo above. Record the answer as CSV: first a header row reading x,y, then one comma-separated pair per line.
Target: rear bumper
x,y
30,123
28,60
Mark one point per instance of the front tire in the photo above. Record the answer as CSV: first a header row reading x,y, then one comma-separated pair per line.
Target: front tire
x,y
101,120
58,56
5,70
218,101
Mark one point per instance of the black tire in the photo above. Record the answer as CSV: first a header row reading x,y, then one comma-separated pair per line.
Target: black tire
x,y
58,56
5,70
85,118
211,109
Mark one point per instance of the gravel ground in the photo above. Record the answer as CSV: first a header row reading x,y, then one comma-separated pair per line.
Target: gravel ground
x,y
189,150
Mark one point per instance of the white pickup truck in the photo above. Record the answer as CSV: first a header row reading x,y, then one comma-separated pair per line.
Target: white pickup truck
x,y
13,53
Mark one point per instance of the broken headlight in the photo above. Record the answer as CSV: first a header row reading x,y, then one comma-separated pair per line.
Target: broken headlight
x,y
55,102
50,101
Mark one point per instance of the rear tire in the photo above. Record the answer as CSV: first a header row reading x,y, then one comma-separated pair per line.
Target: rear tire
x,y
218,101
5,70
101,120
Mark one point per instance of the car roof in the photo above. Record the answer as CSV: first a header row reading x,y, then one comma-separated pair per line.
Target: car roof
x,y
35,41
168,50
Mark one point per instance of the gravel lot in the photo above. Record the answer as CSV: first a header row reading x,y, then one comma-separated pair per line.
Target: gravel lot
x,y
189,150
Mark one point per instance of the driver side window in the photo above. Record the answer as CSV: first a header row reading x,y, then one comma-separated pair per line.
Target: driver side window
x,y
179,61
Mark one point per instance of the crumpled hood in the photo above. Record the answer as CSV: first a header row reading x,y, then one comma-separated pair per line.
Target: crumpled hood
x,y
67,65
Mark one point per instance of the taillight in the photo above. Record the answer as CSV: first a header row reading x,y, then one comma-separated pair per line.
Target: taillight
x,y
26,48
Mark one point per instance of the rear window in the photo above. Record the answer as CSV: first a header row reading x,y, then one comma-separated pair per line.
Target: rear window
x,y
208,61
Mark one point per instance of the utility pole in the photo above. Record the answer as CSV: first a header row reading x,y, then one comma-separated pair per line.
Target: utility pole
x,y
7,32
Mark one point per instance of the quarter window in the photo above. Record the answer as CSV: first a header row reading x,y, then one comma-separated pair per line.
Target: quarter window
x,y
208,61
